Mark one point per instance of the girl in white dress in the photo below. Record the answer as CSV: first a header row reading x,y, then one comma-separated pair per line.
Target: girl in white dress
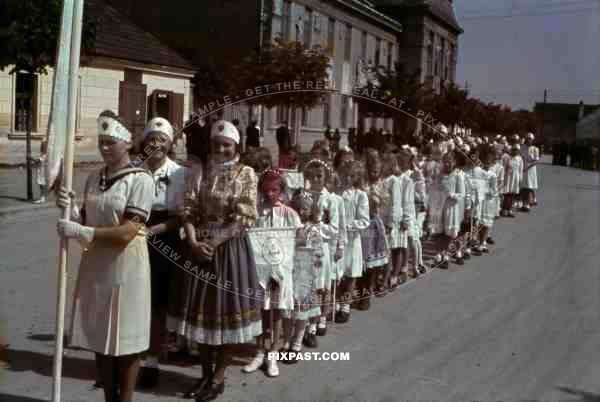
x,y
391,213
356,207
316,175
490,197
374,242
513,174
111,307
529,184
279,300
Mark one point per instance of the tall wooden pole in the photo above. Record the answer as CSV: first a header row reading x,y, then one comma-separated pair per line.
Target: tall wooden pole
x,y
75,49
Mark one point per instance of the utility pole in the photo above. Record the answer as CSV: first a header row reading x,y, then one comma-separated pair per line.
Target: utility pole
x,y
543,117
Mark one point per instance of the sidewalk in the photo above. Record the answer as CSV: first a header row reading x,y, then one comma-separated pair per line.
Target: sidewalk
x,y
13,190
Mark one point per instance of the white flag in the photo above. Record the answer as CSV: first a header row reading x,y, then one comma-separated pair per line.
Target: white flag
x,y
273,250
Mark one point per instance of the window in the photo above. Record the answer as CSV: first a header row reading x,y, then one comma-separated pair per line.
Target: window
x,y
377,51
389,55
307,27
326,111
363,46
305,113
286,24
348,43
331,36
25,95
344,111
443,58
452,62
430,54
282,114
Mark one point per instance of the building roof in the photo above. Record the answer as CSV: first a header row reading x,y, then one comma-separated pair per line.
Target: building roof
x,y
565,112
119,37
441,9
368,9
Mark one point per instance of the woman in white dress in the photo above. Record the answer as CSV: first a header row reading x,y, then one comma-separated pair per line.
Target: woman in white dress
x,y
111,308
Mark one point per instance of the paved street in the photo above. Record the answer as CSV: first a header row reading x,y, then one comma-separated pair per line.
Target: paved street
x,y
520,325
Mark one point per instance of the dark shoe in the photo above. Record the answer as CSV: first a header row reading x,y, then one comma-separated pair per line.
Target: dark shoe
x,y
321,331
341,317
211,392
489,240
288,360
460,261
364,304
310,340
98,384
444,264
148,377
510,215
524,209
485,250
466,256
476,252
196,389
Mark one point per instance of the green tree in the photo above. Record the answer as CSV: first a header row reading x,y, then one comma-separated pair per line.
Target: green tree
x,y
29,31
400,84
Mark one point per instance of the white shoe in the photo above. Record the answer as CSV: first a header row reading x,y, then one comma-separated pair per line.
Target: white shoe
x,y
255,364
272,368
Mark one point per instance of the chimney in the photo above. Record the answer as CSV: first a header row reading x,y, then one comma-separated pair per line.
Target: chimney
x,y
581,109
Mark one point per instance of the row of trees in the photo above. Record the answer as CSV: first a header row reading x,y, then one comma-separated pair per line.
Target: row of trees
x,y
452,106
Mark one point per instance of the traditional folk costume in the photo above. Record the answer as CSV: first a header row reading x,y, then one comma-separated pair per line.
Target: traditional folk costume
x,y
226,309
111,306
374,245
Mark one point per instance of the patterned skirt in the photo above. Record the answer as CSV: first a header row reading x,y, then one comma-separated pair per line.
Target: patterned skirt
x,y
374,244
227,302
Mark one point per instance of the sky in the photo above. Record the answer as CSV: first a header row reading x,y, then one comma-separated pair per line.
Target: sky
x,y
512,49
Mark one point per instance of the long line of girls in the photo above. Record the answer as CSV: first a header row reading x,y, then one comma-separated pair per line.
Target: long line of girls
x,y
360,222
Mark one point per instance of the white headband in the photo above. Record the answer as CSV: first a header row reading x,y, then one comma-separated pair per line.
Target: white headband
x,y
223,128
113,128
160,125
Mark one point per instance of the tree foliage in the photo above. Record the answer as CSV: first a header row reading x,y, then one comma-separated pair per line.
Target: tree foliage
x,y
29,32
282,62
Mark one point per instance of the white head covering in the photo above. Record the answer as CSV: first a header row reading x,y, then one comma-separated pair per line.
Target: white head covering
x,y
530,136
223,128
108,125
160,125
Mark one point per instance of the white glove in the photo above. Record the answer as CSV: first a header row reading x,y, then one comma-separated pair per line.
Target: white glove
x,y
73,230
64,199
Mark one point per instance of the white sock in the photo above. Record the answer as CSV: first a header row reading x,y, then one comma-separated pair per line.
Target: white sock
x,y
286,345
337,306
312,328
322,322
438,258
345,308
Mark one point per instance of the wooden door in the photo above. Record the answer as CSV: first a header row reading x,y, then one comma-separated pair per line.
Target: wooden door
x,y
132,107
